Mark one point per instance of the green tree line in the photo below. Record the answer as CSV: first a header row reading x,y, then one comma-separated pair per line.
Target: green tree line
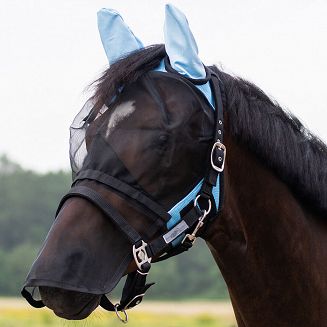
x,y
28,201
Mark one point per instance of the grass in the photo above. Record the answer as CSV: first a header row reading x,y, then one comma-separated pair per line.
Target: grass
x,y
21,316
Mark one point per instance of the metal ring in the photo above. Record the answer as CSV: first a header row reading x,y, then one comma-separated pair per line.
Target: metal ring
x,y
122,319
205,212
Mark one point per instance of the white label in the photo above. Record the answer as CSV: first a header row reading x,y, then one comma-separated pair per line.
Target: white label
x,y
175,232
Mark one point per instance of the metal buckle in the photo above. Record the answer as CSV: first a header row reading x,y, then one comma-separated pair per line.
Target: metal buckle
x,y
220,146
133,299
205,212
140,255
123,319
189,237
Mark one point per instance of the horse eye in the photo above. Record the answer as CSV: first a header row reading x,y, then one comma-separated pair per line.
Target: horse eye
x,y
161,141
163,138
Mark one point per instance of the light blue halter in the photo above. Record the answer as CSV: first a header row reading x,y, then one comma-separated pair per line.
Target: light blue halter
x,y
118,41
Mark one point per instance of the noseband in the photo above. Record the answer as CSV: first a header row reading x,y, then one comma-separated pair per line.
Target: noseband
x,y
195,215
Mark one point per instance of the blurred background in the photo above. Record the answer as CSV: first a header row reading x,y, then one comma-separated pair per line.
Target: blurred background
x,y
50,53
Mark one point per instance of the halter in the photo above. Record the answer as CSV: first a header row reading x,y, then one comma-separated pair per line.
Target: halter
x,y
197,212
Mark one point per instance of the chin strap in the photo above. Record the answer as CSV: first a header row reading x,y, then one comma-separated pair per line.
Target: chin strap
x,y
133,293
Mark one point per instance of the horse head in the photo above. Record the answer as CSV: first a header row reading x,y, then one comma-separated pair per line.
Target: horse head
x,y
149,138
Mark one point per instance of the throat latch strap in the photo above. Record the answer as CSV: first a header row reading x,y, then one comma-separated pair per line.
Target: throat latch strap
x,y
218,150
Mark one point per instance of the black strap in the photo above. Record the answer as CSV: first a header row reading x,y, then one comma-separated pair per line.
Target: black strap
x,y
134,289
217,154
182,247
125,189
133,292
101,203
29,297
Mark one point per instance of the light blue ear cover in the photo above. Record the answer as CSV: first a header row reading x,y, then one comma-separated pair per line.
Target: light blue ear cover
x,y
180,44
182,49
117,38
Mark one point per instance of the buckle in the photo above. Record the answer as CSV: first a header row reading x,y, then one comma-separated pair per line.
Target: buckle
x,y
137,299
221,147
140,255
190,237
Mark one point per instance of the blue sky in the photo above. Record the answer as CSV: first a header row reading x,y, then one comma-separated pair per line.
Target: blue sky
x,y
50,51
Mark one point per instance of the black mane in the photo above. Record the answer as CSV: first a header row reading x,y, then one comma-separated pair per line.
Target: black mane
x,y
279,140
274,135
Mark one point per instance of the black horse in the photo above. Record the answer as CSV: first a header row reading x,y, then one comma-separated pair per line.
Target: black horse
x,y
269,239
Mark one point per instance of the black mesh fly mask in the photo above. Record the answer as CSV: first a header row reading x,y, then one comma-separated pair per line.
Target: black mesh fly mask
x,y
127,150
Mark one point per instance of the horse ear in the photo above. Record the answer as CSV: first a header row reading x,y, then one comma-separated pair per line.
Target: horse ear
x,y
117,38
180,44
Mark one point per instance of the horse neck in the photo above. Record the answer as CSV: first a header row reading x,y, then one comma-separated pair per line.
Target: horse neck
x,y
268,248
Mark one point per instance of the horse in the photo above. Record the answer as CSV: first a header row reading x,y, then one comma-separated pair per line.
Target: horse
x,y
269,238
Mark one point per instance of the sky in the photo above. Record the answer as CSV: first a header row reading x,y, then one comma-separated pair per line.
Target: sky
x,y
50,51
